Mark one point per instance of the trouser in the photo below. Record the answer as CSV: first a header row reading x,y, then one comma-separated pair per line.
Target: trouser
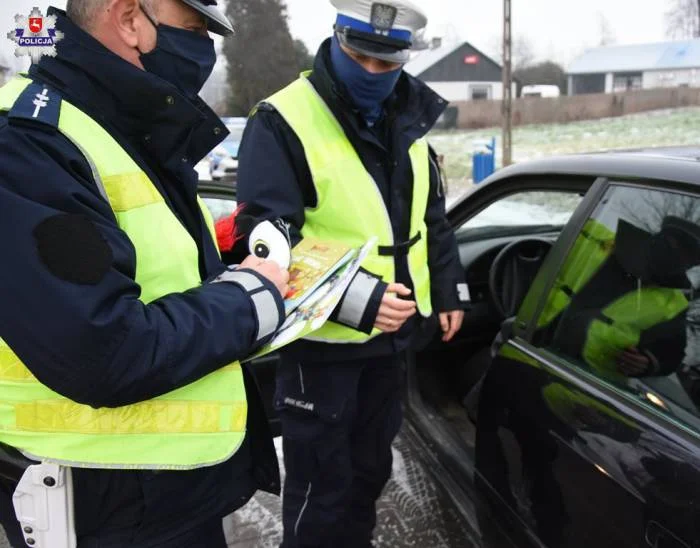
x,y
338,422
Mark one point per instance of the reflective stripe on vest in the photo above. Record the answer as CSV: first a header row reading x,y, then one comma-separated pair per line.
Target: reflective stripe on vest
x,y
197,425
350,208
622,323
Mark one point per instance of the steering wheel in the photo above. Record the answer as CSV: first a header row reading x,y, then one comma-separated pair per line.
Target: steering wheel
x,y
513,271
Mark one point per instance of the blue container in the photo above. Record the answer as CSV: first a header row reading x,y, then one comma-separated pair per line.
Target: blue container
x,y
484,161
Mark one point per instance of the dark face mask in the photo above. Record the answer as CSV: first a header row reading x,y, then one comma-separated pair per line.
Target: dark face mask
x,y
182,57
367,90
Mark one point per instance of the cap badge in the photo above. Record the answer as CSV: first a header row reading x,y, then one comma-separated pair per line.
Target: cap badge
x,y
383,16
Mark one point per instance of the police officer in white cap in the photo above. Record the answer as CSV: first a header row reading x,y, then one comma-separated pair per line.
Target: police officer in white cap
x,y
341,154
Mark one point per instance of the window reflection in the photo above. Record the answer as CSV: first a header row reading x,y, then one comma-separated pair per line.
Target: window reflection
x,y
624,305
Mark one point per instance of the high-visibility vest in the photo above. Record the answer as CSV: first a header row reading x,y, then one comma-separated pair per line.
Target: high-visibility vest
x,y
350,208
200,424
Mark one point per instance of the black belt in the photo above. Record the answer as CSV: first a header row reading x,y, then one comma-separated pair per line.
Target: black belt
x,y
398,250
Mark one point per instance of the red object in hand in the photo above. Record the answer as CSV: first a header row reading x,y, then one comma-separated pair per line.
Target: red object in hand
x,y
226,234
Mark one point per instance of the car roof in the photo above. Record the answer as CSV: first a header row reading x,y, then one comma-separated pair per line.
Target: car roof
x,y
680,164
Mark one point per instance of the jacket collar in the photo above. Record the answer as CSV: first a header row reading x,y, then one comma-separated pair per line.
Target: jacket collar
x,y
413,105
143,107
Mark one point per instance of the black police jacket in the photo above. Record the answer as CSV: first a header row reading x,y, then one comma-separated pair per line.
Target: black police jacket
x,y
94,342
274,180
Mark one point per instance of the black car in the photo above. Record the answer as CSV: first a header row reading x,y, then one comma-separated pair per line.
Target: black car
x,y
565,412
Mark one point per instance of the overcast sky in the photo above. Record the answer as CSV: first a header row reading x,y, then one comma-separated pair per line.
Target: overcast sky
x,y
557,29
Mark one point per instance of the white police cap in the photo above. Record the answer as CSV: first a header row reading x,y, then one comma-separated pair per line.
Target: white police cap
x,y
384,29
217,22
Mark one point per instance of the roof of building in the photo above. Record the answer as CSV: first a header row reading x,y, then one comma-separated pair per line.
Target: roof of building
x,y
641,57
425,59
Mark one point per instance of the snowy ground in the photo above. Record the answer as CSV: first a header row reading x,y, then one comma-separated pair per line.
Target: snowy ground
x,y
413,511
656,128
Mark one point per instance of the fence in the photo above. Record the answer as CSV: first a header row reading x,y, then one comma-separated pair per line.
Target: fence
x,y
552,110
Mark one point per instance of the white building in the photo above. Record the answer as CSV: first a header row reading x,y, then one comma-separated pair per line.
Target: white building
x,y
621,68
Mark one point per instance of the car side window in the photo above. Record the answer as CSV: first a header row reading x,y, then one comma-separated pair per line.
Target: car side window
x,y
625,304
220,207
525,209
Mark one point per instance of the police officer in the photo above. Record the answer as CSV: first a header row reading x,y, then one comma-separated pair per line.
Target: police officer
x,y
341,155
120,325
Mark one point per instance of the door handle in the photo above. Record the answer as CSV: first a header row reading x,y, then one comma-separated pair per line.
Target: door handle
x,y
657,536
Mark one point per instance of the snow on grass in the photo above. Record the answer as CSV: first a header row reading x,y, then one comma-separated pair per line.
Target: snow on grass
x,y
656,128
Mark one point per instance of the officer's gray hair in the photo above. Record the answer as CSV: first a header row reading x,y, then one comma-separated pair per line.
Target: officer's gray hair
x,y
83,12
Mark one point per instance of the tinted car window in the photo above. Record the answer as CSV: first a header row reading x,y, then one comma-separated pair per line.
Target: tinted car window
x,y
625,305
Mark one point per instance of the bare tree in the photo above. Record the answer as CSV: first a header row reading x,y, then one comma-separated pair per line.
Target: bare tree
x,y
607,34
653,207
683,19
523,53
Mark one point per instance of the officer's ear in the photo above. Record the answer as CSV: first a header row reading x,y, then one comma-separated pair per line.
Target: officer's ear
x,y
131,26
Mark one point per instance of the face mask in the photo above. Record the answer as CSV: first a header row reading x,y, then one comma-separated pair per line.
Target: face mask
x,y
367,90
182,57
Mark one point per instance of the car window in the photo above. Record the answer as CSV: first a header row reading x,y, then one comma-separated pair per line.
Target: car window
x,y
625,305
236,133
526,209
220,207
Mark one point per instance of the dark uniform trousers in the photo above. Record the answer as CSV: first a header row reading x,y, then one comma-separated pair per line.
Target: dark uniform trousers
x,y
338,422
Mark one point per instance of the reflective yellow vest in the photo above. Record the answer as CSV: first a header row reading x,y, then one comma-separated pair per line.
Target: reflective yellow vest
x,y
200,424
350,208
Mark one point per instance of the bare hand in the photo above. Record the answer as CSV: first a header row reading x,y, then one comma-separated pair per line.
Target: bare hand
x,y
269,270
633,363
450,323
393,311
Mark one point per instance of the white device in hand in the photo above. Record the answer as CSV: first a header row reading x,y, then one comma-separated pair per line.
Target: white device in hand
x,y
266,241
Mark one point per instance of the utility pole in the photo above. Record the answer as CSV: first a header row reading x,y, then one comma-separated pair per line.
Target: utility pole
x,y
507,103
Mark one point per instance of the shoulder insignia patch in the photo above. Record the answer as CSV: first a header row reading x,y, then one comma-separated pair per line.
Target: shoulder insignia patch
x,y
37,103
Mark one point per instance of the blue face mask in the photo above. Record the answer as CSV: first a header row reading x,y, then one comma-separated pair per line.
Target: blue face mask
x,y
182,57
368,91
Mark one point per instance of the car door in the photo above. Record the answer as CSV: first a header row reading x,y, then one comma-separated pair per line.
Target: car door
x,y
589,417
220,199
514,207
